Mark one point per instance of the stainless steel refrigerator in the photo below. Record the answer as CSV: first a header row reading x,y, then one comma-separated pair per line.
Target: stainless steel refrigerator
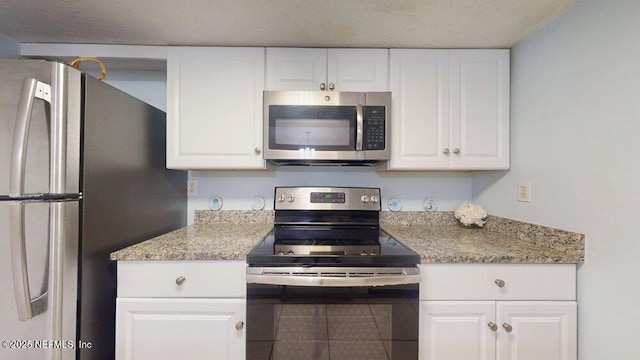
x,y
82,173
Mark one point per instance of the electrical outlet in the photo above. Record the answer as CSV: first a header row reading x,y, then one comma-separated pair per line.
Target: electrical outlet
x,y
192,187
524,191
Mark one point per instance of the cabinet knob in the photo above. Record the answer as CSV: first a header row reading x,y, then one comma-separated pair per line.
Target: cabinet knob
x,y
445,151
493,326
257,150
508,328
323,86
239,325
180,280
332,86
456,151
500,283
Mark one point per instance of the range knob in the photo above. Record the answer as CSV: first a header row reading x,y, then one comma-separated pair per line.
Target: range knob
x,y
280,252
363,253
364,199
290,252
292,198
374,199
281,198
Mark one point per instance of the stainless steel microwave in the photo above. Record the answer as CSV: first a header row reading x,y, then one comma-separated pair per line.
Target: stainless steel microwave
x,y
326,128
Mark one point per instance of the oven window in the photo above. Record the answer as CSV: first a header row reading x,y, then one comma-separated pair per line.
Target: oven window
x,y
321,323
324,128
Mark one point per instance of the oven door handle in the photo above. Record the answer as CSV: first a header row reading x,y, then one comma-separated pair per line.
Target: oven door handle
x,y
332,277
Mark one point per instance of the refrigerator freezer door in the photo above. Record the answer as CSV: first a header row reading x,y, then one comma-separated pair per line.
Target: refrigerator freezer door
x,y
13,73
32,90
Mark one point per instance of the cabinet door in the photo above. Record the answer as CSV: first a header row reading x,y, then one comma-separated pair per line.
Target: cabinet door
x,y
179,329
358,69
480,109
214,108
296,69
455,330
420,109
537,330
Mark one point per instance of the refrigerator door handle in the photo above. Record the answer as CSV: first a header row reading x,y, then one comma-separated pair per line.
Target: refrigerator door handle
x,y
32,89
26,306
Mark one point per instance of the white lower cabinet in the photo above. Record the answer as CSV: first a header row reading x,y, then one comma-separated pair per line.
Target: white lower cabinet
x,y
181,309
180,328
493,315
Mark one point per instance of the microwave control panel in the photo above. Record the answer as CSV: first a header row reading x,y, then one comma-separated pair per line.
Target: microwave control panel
x,y
374,125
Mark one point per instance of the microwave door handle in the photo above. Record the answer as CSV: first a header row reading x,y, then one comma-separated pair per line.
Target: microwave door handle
x,y
359,127
32,89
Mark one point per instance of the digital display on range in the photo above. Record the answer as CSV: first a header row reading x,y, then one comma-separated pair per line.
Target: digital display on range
x,y
327,197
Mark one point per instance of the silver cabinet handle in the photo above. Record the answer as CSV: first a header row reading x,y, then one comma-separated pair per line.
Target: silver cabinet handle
x,y
493,326
180,280
508,328
257,150
456,151
332,86
445,151
239,325
323,86
500,283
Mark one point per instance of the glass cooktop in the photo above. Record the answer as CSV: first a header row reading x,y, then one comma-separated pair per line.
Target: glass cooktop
x,y
346,246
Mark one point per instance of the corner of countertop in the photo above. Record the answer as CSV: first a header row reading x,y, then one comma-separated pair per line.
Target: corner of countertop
x,y
543,236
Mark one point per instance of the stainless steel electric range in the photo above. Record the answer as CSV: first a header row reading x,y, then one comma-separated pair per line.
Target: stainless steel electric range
x,y
328,283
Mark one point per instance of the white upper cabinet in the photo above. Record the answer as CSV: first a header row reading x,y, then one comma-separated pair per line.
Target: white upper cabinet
x,y
314,69
420,124
450,109
214,108
480,109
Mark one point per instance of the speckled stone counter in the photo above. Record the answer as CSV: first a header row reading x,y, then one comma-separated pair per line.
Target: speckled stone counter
x,y
227,235
438,239
230,235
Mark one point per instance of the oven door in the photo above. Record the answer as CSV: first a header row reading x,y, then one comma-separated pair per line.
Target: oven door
x,y
345,313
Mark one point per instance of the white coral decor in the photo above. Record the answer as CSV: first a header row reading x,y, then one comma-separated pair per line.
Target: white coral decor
x,y
471,214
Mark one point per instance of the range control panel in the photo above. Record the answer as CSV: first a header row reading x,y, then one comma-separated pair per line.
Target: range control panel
x,y
327,198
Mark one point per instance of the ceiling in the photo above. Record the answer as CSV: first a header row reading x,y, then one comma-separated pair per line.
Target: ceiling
x,y
291,23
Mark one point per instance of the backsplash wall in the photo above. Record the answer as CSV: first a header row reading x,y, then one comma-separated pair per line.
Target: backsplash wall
x,y
237,188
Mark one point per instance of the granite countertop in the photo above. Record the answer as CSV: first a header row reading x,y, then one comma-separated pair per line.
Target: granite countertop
x,y
216,241
453,244
230,235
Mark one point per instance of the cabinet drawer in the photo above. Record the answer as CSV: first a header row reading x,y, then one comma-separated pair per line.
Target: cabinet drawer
x,y
145,279
482,282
